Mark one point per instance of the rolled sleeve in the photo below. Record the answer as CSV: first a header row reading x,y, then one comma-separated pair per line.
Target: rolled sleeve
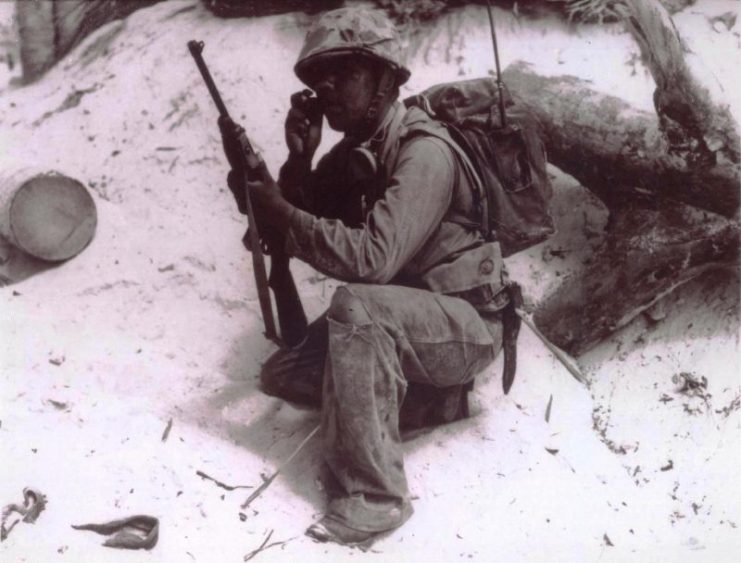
x,y
415,201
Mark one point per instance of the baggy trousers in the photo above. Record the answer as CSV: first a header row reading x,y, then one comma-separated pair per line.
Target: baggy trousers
x,y
356,361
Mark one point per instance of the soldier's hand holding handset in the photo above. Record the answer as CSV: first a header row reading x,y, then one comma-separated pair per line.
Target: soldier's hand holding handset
x,y
303,128
303,125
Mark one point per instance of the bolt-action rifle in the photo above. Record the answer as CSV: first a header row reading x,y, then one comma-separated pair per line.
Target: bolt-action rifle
x,y
260,238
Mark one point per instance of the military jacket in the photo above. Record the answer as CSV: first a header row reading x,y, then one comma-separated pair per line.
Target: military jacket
x,y
412,221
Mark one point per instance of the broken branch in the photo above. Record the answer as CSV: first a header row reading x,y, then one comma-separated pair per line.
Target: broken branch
x,y
218,483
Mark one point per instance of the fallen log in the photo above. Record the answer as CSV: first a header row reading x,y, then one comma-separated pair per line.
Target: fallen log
x,y
46,214
257,8
49,29
655,173
618,151
655,242
648,253
702,132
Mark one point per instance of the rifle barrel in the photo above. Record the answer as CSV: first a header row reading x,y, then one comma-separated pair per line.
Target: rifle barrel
x,y
251,161
196,48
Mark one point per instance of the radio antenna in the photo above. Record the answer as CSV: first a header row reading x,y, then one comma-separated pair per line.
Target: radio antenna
x,y
500,84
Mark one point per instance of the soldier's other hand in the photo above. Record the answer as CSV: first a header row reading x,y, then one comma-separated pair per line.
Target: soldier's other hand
x,y
303,124
231,133
264,192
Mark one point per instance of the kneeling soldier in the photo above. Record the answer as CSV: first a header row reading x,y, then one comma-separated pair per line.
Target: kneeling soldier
x,y
392,211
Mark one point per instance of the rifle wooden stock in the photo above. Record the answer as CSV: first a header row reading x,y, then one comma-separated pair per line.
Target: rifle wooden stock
x,y
291,316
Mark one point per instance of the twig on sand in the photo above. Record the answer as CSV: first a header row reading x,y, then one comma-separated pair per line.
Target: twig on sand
x,y
166,433
266,481
34,502
203,475
263,546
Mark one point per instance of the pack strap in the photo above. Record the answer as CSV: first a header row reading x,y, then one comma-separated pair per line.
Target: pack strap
x,y
457,143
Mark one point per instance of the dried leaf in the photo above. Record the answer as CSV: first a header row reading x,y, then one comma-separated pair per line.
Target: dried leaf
x,y
61,405
166,433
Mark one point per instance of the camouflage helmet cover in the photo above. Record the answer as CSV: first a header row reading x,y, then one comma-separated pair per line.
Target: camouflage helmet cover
x,y
352,31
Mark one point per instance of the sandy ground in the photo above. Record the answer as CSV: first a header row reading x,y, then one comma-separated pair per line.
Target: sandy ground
x,y
157,320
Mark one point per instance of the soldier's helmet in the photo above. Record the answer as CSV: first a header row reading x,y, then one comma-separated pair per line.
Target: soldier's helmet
x,y
352,31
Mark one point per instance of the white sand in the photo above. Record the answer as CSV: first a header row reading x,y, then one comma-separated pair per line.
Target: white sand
x,y
158,319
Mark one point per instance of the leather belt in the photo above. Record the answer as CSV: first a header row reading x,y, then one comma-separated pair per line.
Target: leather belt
x,y
488,297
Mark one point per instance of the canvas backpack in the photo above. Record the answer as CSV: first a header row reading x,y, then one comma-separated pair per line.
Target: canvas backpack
x,y
509,161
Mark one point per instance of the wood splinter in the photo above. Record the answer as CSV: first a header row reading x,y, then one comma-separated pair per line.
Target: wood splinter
x,y
266,481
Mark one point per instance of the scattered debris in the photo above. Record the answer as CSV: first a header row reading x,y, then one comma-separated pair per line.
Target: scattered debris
x,y
674,491
552,451
668,466
548,409
34,502
666,398
600,425
71,101
691,385
57,360
218,483
265,545
727,19
166,433
609,543
676,516
59,405
136,532
734,405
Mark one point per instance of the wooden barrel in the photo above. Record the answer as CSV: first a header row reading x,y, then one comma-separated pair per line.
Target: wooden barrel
x,y
47,214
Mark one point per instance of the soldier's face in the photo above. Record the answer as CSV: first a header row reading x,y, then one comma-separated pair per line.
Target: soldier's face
x,y
345,87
